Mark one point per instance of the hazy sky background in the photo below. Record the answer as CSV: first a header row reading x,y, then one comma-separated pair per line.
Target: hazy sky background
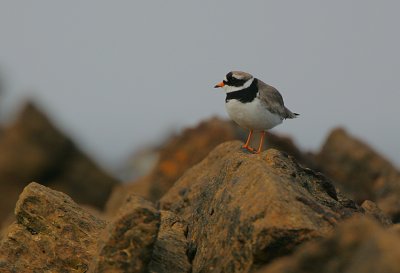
x,y
116,75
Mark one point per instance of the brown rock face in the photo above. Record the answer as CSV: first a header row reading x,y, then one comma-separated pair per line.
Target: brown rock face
x,y
359,245
372,210
184,151
361,172
176,156
126,245
170,252
52,234
244,210
32,149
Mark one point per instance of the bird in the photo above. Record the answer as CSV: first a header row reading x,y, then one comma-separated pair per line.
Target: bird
x,y
253,105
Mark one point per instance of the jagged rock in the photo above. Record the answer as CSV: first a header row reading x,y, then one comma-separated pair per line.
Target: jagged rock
x,y
170,252
175,157
32,149
52,234
244,210
371,209
127,243
183,151
361,172
358,245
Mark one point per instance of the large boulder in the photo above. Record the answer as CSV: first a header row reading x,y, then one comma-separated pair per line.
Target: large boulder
x,y
51,234
361,172
177,155
127,242
32,149
358,245
245,210
185,150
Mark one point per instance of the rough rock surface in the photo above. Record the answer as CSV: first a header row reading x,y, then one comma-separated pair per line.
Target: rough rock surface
x,y
127,243
372,210
244,210
358,245
52,234
175,157
187,149
170,252
32,149
361,172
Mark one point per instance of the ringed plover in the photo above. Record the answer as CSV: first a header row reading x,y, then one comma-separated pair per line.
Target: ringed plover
x,y
253,104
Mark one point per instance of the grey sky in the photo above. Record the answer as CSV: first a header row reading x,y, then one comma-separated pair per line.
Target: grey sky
x,y
119,74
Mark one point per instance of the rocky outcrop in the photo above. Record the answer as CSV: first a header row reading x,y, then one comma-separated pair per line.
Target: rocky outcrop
x,y
143,239
358,245
232,212
181,152
32,149
51,234
171,252
361,172
127,243
177,155
244,210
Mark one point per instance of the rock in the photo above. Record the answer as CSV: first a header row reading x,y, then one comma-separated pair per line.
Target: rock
x,y
32,149
372,210
396,228
127,243
390,202
140,187
170,252
6,223
175,157
52,234
181,152
361,172
245,210
358,245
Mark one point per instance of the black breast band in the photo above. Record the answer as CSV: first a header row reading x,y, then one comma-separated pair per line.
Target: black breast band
x,y
245,95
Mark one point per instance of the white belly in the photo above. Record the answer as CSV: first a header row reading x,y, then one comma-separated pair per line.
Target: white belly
x,y
252,115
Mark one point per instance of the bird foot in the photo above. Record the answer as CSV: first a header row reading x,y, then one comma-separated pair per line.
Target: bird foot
x,y
251,150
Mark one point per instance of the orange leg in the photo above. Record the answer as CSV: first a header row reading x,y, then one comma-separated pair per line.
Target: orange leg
x,y
261,142
246,145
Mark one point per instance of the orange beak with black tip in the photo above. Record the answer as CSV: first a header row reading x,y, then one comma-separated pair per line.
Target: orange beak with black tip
x,y
219,85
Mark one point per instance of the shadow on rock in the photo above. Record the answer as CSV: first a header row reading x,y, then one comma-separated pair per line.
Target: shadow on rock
x,y
358,245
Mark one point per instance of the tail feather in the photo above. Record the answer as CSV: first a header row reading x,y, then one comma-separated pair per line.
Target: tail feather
x,y
290,114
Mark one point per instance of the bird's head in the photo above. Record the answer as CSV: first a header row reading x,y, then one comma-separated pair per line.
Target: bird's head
x,y
235,81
